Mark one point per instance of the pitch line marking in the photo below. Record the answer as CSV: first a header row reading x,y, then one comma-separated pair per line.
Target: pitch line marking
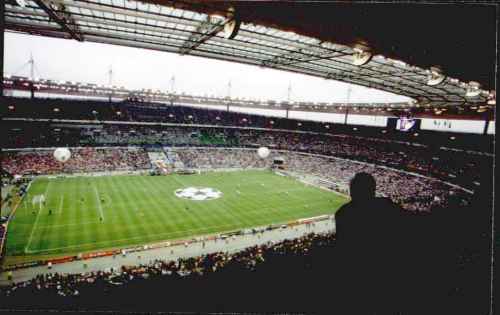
x,y
60,204
98,203
26,249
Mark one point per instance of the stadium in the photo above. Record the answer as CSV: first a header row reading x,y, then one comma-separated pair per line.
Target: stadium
x,y
131,198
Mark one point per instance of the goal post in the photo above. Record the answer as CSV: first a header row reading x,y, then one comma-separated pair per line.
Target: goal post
x,y
38,201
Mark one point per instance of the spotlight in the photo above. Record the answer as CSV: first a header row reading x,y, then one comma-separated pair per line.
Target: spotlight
x,y
435,77
232,27
492,100
473,89
361,57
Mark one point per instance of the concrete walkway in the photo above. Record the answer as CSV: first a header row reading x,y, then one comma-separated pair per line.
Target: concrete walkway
x,y
233,244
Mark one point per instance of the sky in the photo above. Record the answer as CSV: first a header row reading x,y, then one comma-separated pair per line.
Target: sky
x,y
134,68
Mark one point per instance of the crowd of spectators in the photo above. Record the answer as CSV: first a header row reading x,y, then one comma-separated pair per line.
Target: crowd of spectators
x,y
210,158
82,160
459,167
170,113
69,285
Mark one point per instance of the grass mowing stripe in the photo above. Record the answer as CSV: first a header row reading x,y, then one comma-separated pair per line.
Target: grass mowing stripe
x,y
60,204
221,228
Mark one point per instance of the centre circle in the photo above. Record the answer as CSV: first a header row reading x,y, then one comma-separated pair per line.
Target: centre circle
x,y
198,193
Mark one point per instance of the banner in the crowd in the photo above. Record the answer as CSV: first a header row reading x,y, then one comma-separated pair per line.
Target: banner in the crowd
x,y
314,116
367,120
61,260
453,125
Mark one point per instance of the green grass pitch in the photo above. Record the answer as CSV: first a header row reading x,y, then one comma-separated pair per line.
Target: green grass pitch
x,y
144,209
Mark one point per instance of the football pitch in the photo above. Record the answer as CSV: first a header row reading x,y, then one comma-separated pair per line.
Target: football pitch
x,y
71,215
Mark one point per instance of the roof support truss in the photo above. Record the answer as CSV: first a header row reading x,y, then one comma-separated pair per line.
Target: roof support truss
x,y
57,12
204,31
167,28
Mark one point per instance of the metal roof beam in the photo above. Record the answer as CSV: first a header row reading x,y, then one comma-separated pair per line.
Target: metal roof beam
x,y
57,12
204,31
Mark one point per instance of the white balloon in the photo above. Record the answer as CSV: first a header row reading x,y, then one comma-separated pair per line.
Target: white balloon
x,y
62,154
263,152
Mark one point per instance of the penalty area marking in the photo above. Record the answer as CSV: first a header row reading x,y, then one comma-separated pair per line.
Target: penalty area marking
x,y
26,249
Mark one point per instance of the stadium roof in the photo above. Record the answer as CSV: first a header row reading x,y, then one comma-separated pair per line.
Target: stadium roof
x,y
329,41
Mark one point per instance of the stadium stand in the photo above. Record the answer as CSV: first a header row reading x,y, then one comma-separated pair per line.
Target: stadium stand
x,y
108,141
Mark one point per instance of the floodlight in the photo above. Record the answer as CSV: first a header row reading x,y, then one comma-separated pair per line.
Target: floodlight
x,y
232,27
361,57
492,98
435,77
473,89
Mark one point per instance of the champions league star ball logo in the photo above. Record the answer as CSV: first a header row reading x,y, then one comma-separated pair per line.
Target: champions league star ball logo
x,y
198,193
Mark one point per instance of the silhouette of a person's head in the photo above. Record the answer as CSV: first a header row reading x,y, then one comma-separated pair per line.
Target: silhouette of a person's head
x,y
362,187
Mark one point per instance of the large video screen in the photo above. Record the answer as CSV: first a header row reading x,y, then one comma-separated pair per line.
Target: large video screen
x,y
406,124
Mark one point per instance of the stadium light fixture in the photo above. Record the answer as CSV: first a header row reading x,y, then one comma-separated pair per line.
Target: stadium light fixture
x,y
11,107
473,89
232,27
492,98
56,109
435,76
299,124
452,138
354,128
399,62
361,57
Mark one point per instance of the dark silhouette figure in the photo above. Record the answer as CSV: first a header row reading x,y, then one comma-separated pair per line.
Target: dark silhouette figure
x,y
372,249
